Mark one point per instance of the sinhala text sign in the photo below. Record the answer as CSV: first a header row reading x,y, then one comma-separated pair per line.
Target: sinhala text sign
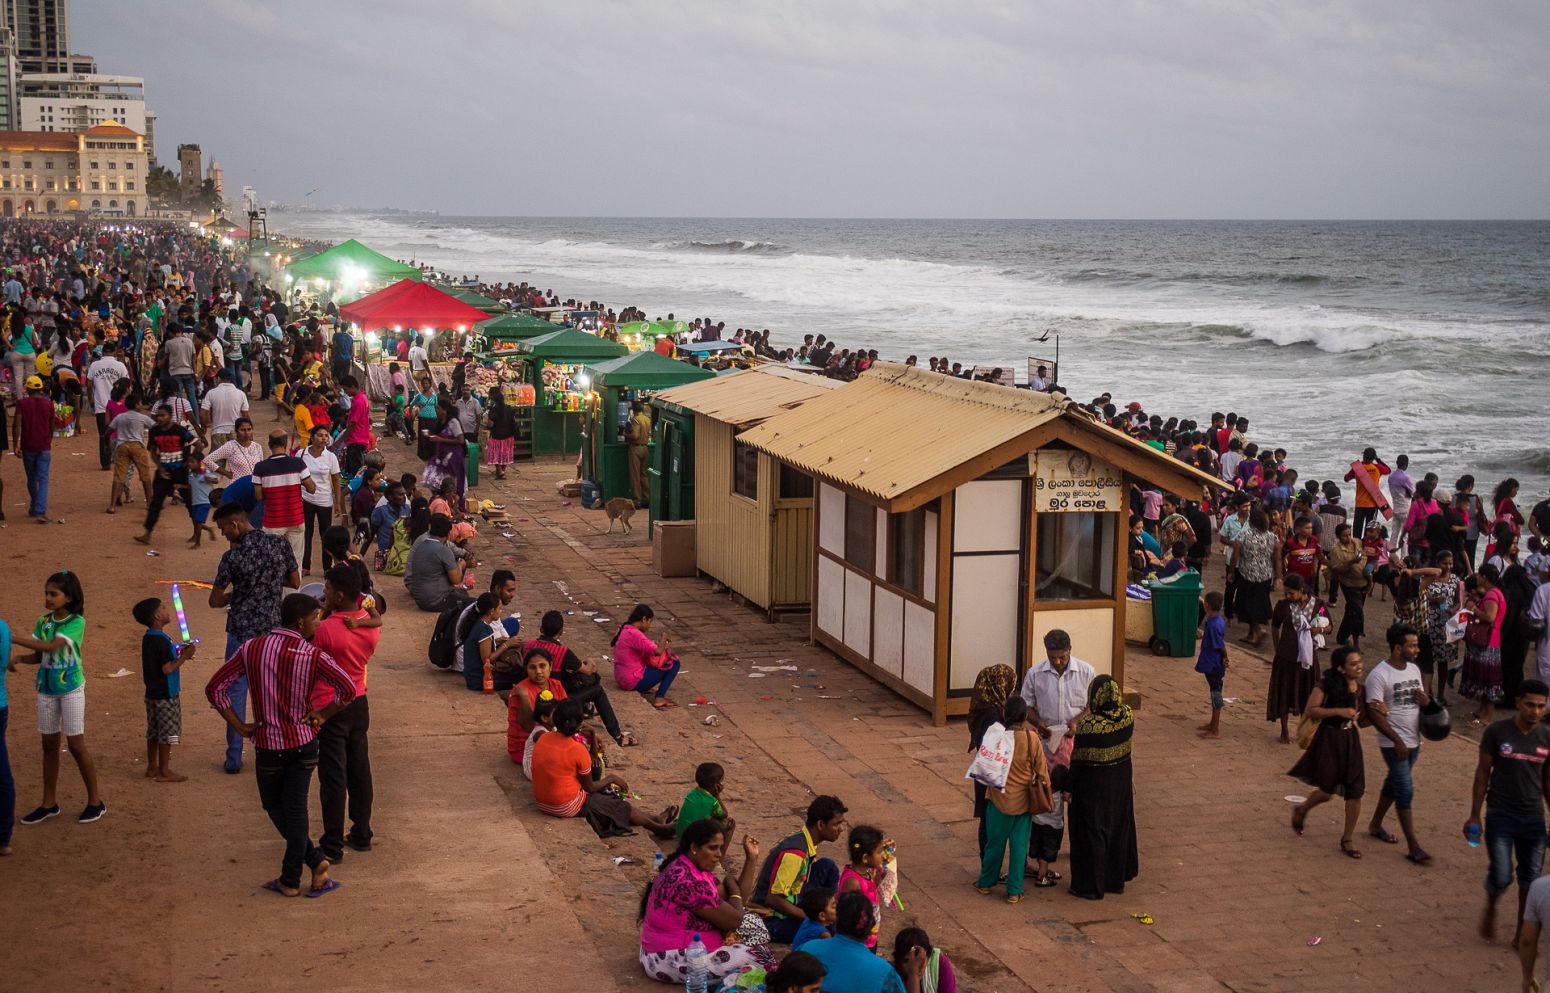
x,y
1073,481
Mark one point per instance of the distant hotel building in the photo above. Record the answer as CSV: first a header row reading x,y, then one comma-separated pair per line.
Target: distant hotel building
x,y
47,88
99,170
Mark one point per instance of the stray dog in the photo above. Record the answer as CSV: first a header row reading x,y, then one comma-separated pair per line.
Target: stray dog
x,y
619,509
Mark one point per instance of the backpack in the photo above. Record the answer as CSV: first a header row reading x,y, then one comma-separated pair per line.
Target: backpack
x,y
442,650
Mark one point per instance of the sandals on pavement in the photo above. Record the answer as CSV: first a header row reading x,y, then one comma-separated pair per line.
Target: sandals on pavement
x,y
1382,835
1419,857
1350,853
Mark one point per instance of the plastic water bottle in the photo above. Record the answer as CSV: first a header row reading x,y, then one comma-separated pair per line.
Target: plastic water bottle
x,y
656,862
697,976
1472,834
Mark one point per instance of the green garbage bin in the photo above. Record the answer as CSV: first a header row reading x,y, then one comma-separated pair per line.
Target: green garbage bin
x,y
471,471
1175,614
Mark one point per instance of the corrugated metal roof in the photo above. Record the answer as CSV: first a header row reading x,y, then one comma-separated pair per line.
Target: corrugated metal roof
x,y
897,428
748,397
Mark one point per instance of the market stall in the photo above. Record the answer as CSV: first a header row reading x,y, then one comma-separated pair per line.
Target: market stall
x,y
345,272
441,321
615,385
552,363
492,308
717,355
644,335
500,334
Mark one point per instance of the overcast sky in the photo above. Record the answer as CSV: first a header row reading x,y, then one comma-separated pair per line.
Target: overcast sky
x,y
816,108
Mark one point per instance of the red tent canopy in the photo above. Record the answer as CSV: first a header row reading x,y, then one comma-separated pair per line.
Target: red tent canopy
x,y
411,304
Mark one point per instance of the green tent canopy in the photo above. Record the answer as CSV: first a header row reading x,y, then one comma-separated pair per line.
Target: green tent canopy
x,y
473,299
570,345
513,327
650,329
645,371
352,257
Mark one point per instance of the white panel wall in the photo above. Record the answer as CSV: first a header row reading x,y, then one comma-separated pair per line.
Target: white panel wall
x,y
858,613
929,584
988,516
829,598
985,613
888,632
1091,631
831,519
919,647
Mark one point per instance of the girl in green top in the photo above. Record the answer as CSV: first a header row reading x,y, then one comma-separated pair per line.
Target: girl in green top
x,y
56,651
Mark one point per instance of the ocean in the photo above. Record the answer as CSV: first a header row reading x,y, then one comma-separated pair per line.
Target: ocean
x,y
1419,337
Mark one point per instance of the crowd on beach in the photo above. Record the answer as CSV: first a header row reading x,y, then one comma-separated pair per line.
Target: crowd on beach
x,y
168,341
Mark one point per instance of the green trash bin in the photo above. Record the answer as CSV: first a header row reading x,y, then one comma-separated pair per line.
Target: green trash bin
x,y
471,470
1175,614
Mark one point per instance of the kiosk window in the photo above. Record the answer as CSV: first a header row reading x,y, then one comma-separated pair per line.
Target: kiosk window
x,y
745,470
907,551
795,484
860,534
1075,559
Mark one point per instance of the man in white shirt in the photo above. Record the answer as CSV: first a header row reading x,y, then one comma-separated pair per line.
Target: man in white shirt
x,y
102,375
419,358
223,405
238,456
1055,690
1396,692
1040,381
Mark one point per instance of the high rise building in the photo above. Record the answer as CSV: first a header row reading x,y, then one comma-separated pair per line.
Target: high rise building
x,y
9,110
58,101
42,32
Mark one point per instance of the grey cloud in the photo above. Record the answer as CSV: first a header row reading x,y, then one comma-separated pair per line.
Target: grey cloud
x,y
1137,108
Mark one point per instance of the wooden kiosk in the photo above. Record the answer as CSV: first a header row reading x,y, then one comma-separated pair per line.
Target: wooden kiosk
x,y
956,522
616,384
553,364
754,515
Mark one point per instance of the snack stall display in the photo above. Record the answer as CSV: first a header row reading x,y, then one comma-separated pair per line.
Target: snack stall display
x,y
501,334
489,372
615,386
554,366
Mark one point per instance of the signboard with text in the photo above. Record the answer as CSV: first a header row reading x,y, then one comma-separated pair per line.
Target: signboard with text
x,y
1071,481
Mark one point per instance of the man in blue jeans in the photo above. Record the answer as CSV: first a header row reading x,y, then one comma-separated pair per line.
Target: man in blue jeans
x,y
32,436
1511,781
179,349
251,580
1396,693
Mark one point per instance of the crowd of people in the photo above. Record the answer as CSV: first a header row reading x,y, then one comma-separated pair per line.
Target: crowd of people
x,y
169,342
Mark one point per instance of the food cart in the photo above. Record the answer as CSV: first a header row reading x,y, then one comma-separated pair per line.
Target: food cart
x,y
501,334
615,385
553,364
643,335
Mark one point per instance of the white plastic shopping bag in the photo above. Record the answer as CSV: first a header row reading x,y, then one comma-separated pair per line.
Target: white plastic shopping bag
x,y
994,759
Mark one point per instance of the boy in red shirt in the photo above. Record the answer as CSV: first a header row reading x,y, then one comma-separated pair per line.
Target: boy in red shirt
x,y
344,764
1303,556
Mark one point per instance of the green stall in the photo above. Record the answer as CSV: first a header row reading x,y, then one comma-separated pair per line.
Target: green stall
x,y
473,298
670,468
615,385
553,363
501,333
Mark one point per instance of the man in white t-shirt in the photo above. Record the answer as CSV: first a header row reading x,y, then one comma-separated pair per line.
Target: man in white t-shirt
x,y
223,405
1536,914
102,374
419,358
1396,692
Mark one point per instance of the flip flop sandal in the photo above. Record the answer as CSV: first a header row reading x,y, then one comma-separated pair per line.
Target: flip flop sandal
x,y
1382,835
627,740
1348,851
1419,858
327,888
273,886
1015,899
983,890
1044,882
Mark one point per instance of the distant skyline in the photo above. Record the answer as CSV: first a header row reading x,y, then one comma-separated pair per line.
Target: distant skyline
x,y
1140,109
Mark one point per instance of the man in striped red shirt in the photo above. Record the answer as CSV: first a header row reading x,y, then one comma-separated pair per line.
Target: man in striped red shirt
x,y
278,482
281,669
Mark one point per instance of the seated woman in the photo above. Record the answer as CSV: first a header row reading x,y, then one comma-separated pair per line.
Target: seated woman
x,y
579,678
523,701
564,787
850,964
639,664
446,501
915,958
685,900
479,648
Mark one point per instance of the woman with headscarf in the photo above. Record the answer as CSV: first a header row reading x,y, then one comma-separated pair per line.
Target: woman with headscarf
x,y
1101,816
449,451
992,687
